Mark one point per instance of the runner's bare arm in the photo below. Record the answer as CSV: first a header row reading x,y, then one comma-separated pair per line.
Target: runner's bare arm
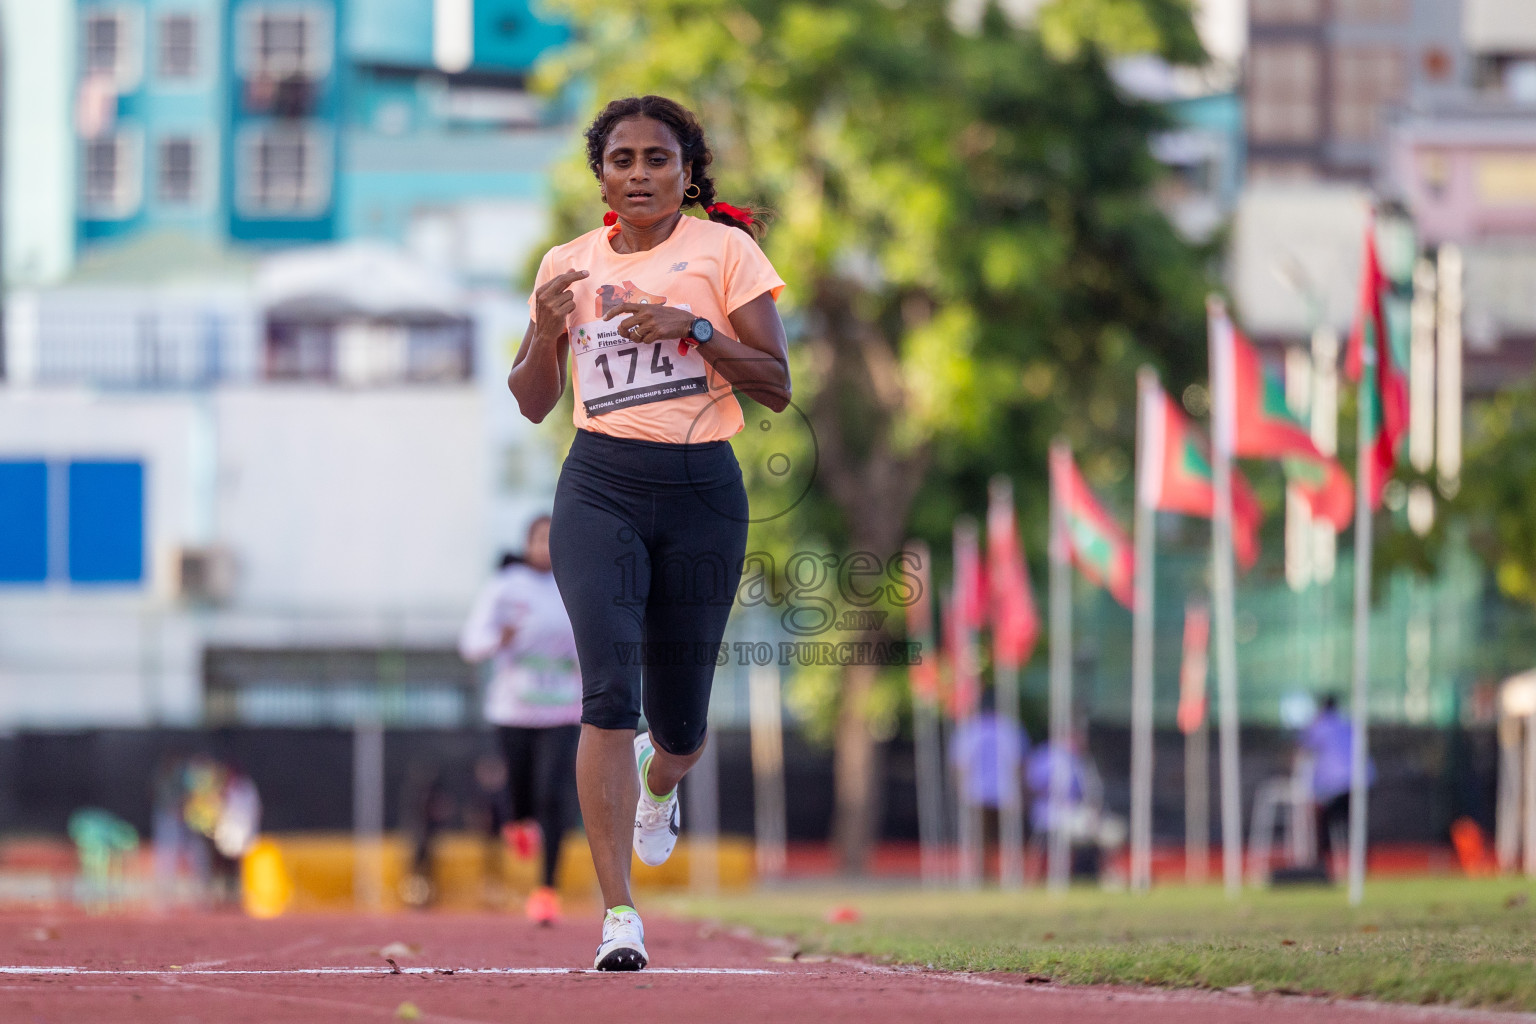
x,y
756,361
537,379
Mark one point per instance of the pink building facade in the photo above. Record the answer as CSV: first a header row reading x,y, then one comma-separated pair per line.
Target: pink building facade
x,y
1467,177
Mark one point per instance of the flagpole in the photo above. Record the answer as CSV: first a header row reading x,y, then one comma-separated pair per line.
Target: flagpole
x,y
1010,796
1005,682
972,850
1359,693
1197,778
1058,859
925,729
958,822
1222,422
1142,647
1197,802
930,782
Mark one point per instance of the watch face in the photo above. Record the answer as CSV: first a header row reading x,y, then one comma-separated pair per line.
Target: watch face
x,y
703,330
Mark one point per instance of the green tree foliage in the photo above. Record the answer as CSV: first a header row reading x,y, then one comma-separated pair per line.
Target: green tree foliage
x,y
1498,479
973,260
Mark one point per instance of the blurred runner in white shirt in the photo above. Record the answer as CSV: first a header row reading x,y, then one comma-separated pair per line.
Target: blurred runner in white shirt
x,y
534,700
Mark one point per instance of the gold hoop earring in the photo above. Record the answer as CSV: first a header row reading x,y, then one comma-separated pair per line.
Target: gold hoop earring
x,y
695,193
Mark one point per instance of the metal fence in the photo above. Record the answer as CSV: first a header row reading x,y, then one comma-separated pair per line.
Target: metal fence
x,y
142,342
165,348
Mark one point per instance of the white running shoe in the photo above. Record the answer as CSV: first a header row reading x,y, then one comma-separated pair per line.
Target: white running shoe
x,y
623,947
656,821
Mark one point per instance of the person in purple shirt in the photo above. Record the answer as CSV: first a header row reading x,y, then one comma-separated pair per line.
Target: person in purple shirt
x,y
1042,763
974,754
1330,743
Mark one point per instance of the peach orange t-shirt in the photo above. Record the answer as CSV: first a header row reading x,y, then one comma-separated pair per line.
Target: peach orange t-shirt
x,y
649,391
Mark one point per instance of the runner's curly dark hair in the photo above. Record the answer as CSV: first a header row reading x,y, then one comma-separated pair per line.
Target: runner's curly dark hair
x,y
690,139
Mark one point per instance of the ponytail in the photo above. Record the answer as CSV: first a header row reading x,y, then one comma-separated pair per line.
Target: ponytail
x,y
735,216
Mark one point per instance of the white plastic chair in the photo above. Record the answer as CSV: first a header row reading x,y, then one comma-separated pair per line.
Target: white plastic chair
x,y
1294,793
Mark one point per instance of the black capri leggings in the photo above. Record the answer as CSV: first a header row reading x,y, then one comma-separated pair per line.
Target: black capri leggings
x,y
541,767
646,540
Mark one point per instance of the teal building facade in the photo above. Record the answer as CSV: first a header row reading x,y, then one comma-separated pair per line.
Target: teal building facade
x,y
266,123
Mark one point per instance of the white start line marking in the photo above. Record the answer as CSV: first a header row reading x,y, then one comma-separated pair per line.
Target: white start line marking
x,y
300,971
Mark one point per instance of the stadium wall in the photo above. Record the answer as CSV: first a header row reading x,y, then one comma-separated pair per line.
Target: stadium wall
x,y
1426,777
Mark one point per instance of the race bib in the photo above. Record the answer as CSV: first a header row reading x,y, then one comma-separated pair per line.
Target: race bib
x,y
614,372
551,685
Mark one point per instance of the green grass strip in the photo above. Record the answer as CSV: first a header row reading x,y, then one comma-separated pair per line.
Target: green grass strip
x,y
1427,941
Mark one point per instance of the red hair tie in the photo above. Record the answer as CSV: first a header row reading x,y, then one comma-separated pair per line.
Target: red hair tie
x,y
734,212
610,219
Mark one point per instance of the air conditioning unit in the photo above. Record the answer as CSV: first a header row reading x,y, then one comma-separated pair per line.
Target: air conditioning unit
x,y
205,575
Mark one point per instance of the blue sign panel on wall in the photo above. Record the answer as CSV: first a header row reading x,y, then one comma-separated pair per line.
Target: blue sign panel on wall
x,y
23,522
106,522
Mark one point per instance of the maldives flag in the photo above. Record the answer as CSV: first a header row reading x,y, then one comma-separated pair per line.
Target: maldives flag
x,y
1098,547
1266,428
1181,480
1386,392
1015,623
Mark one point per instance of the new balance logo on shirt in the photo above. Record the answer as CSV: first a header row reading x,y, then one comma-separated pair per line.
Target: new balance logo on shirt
x,y
674,268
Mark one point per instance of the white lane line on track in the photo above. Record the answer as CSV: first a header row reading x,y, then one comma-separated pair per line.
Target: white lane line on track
x,y
301,971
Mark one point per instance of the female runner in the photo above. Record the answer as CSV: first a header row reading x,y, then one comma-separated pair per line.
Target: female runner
x,y
661,315
534,701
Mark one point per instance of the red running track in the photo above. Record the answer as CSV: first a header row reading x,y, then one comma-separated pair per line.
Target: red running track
x,y
187,968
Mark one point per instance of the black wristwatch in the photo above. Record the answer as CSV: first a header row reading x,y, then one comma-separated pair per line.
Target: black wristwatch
x,y
701,330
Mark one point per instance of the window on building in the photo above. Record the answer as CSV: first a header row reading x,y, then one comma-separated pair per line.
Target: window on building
x,y
1365,80
1283,93
103,42
110,46
284,172
297,350
110,176
361,353
102,172
441,352
178,46
1285,11
1371,10
285,41
178,170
